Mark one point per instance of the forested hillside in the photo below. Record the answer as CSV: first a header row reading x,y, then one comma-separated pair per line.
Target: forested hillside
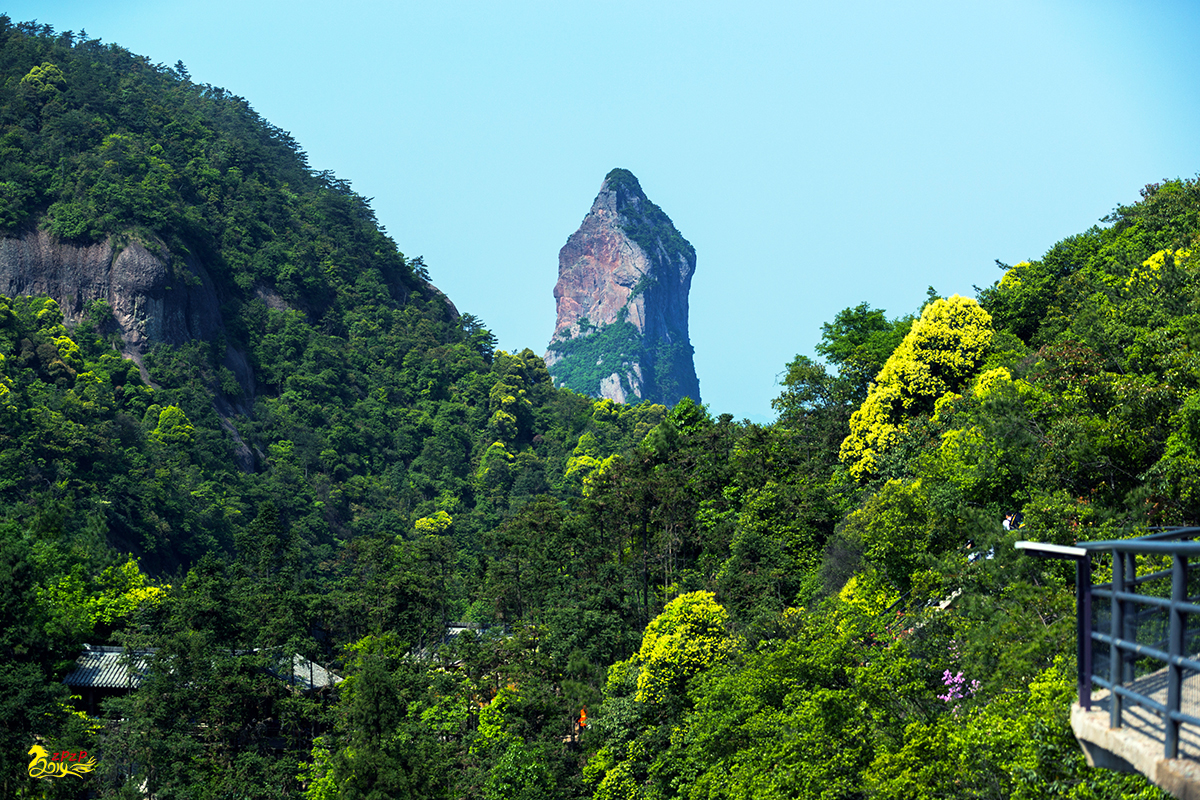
x,y
659,603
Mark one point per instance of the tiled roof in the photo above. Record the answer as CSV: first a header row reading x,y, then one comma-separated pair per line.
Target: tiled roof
x,y
305,673
103,667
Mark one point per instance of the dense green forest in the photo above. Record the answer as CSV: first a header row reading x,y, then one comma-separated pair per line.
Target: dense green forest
x,y
659,602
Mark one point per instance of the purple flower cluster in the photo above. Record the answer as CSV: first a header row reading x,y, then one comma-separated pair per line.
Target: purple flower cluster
x,y
954,687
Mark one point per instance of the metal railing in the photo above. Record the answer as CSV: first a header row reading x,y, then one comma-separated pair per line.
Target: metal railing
x,y
1133,634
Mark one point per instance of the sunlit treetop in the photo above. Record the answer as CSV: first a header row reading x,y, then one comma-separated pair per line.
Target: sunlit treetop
x,y
941,351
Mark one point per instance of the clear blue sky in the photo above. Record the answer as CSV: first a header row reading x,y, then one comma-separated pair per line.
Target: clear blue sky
x,y
817,155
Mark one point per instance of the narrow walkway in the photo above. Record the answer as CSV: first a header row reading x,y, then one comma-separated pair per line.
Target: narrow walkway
x,y
1138,745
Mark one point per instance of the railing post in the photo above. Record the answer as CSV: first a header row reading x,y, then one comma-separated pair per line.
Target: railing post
x,y
1175,649
1083,629
1117,627
1130,617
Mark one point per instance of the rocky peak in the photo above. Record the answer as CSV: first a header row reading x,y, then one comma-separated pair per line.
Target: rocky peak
x,y
622,297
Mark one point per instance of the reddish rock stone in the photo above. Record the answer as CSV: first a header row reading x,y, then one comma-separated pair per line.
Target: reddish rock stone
x,y
622,297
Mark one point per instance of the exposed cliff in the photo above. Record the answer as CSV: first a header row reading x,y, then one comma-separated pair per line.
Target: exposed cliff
x,y
152,298
622,296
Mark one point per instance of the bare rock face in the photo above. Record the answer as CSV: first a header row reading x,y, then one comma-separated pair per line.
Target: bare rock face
x,y
622,296
153,299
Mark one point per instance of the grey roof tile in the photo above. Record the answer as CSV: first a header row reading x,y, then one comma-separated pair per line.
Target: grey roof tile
x,y
102,667
105,667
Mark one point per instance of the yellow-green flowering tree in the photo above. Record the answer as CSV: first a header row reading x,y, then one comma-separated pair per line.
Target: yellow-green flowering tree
x,y
46,79
945,346
647,695
79,606
435,524
174,428
686,638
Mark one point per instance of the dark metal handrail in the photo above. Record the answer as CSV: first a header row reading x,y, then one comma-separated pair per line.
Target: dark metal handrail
x,y
1123,599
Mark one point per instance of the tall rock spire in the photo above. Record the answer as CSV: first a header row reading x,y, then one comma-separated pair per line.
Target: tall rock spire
x,y
622,294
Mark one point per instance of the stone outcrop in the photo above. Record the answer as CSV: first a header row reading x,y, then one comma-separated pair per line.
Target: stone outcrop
x,y
154,297
622,296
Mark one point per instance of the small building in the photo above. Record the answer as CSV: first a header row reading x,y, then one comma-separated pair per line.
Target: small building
x,y
104,671
302,674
